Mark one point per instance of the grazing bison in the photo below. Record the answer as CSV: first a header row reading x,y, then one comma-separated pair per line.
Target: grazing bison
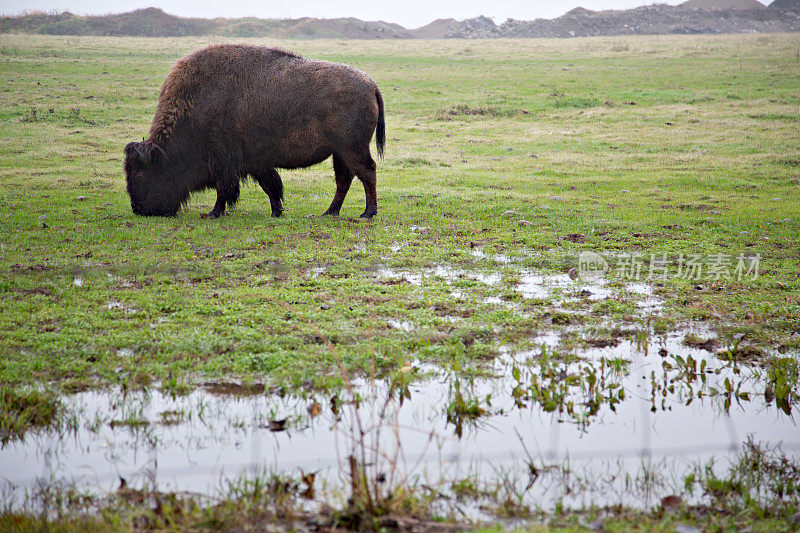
x,y
229,111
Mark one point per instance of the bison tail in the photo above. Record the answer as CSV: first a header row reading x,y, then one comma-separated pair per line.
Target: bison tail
x,y
380,131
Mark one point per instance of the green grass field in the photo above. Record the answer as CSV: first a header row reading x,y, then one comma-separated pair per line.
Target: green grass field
x,y
653,145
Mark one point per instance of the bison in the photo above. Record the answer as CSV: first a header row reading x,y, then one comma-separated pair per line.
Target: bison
x,y
227,112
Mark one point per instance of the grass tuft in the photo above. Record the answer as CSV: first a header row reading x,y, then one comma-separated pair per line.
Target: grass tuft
x,y
23,410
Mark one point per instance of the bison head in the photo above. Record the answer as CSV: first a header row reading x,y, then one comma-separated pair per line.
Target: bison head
x,y
152,191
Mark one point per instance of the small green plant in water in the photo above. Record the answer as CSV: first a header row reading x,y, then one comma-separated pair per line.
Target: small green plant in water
x,y
783,383
464,407
566,385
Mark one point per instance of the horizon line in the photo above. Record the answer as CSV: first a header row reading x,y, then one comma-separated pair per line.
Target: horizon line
x,y
26,12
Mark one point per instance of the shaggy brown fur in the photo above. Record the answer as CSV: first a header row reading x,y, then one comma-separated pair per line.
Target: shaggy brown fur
x,y
229,111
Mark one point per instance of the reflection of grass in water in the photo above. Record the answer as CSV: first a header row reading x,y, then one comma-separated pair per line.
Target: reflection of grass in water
x,y
22,410
619,366
373,473
464,407
759,489
763,480
565,384
784,380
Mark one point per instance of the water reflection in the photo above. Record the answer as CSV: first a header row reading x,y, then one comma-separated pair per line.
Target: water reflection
x,y
618,403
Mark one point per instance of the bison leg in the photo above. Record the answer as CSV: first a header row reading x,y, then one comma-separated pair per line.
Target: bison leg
x,y
232,192
219,208
344,177
227,193
364,168
271,182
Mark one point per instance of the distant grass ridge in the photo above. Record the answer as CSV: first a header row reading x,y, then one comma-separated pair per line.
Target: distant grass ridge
x,y
150,22
153,22
655,19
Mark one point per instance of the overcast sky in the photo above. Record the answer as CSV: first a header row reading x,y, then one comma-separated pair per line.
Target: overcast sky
x,y
409,13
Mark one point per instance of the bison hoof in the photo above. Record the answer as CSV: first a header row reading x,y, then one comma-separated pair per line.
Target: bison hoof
x,y
330,213
369,214
212,214
277,213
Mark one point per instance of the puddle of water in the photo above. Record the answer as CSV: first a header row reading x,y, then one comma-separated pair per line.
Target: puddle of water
x,y
558,288
642,289
452,274
541,286
655,403
402,325
478,254
414,278
113,304
316,271
449,274
648,302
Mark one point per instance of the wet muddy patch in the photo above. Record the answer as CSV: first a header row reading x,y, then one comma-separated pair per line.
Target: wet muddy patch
x,y
567,416
497,279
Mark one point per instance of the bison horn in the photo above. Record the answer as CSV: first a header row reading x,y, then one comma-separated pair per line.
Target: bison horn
x,y
148,155
163,156
144,157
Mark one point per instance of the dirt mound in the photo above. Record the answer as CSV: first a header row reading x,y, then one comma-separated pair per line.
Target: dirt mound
x,y
722,4
149,22
645,20
343,28
438,29
579,11
476,28
786,5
